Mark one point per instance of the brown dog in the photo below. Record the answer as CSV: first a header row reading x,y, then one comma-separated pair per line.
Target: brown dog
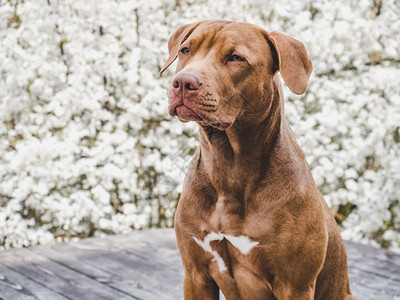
x,y
250,220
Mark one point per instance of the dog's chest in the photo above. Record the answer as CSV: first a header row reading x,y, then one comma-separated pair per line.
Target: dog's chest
x,y
220,245
227,214
232,262
223,236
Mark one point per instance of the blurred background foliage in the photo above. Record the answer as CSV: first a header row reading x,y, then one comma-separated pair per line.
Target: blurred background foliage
x,y
87,147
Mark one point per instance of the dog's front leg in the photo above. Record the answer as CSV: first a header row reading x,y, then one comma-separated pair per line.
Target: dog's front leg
x,y
200,288
288,292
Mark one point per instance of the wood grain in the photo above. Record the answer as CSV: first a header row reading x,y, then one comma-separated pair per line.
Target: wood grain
x,y
146,265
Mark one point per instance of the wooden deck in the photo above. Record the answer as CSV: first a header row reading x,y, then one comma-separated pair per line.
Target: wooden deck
x,y
146,265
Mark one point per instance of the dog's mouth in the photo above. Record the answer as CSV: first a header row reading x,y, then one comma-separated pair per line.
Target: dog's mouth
x,y
218,125
186,114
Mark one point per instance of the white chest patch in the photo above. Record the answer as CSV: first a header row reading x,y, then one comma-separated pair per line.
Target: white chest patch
x,y
242,243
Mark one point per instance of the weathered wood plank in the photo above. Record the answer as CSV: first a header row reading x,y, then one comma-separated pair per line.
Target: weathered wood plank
x,y
381,262
146,265
56,277
14,285
127,263
374,273
368,286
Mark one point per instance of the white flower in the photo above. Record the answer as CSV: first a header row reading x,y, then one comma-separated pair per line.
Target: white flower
x,y
87,144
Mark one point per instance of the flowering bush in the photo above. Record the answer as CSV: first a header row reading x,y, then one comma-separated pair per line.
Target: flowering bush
x,y
87,147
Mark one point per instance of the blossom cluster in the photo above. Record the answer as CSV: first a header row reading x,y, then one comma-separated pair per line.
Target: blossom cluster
x,y
87,147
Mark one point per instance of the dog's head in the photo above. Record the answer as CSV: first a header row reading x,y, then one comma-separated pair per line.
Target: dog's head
x,y
226,69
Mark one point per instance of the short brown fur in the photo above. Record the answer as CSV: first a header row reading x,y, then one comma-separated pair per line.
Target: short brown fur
x,y
249,176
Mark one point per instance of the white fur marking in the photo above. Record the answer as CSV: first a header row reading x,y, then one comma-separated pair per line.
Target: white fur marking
x,y
207,247
242,243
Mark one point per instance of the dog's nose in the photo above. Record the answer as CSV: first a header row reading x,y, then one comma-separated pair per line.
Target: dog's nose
x,y
186,82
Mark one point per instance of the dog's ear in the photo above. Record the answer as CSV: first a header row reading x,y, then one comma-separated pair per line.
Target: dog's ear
x,y
176,40
293,61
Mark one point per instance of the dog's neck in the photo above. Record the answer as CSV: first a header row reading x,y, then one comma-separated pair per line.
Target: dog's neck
x,y
245,143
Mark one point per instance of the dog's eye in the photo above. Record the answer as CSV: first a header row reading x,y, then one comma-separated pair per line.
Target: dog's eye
x,y
236,58
185,50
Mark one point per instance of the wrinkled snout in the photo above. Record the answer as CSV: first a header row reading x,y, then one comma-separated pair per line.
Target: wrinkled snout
x,y
184,95
192,98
